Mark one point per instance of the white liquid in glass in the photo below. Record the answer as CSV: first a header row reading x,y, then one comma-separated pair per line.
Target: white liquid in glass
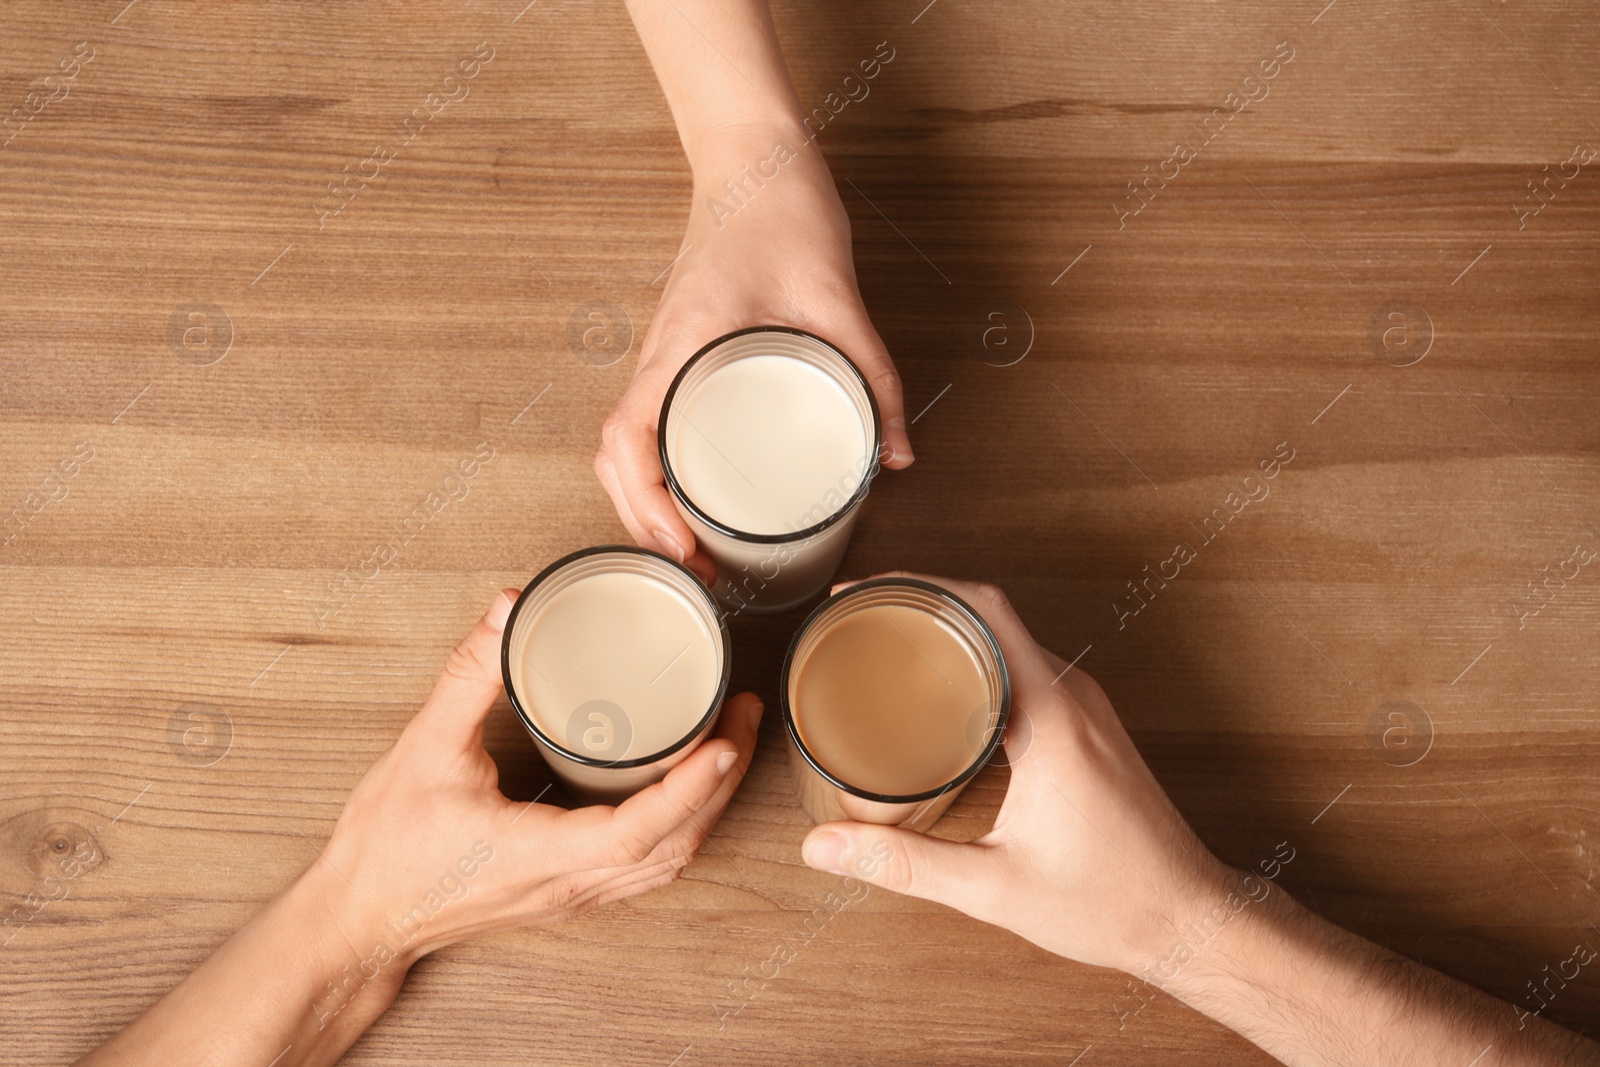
x,y
768,444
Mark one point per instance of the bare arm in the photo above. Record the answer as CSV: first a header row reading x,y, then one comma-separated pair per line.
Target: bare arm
x,y
1311,993
270,989
1089,859
427,852
767,243
722,72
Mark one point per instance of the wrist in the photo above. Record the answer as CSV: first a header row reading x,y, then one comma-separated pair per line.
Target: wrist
x,y
1243,940
1201,922
785,181
303,967
765,146
347,928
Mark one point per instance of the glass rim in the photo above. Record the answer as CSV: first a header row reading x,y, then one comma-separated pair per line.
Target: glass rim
x,y
522,713
675,487
1001,670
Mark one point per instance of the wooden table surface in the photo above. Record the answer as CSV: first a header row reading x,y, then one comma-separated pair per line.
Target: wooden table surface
x,y
215,403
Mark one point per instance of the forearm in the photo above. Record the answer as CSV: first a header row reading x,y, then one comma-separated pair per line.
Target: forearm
x,y
1311,993
299,982
722,70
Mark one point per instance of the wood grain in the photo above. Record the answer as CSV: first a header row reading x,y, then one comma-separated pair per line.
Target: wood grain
x,y
189,562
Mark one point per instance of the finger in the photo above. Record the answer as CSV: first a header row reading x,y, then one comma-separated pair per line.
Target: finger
x,y
740,724
860,338
903,861
639,881
644,820
703,566
1033,675
606,471
587,890
453,714
630,440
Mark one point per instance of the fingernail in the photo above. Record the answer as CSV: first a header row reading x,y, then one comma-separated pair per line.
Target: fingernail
x,y
898,423
825,852
725,761
671,546
756,710
498,612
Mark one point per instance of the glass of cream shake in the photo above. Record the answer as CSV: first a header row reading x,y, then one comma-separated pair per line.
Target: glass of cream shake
x,y
769,438
895,694
616,659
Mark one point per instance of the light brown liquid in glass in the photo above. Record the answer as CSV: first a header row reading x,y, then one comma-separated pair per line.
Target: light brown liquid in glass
x,y
626,640
891,700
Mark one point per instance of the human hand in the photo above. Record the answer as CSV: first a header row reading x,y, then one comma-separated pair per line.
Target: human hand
x,y
428,828
1087,859
782,258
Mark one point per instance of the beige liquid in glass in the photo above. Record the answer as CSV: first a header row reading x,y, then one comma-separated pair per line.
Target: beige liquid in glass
x,y
625,647
886,700
768,445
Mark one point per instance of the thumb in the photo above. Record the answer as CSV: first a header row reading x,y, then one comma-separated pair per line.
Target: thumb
x,y
453,714
902,861
866,347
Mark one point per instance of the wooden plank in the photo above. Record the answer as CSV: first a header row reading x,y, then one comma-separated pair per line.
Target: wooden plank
x,y
187,563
